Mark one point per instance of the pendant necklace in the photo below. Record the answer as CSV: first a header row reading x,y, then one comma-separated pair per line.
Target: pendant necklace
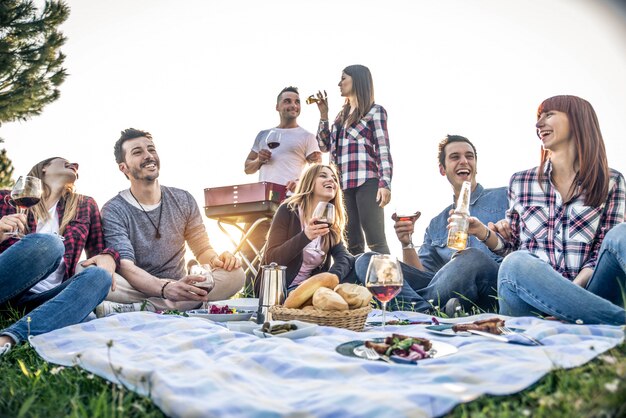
x,y
158,226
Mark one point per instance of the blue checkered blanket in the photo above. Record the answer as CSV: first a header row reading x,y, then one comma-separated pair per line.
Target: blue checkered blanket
x,y
192,367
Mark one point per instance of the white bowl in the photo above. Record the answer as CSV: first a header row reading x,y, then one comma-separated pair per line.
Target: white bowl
x,y
305,329
241,304
242,326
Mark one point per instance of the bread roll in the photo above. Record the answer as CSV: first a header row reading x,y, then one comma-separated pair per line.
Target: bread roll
x,y
305,291
356,295
329,300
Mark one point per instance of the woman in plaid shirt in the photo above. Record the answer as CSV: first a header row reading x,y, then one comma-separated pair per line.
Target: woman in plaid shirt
x,y
359,147
564,234
38,272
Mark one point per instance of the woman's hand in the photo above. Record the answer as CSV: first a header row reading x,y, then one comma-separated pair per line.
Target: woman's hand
x,y
383,196
10,223
322,104
312,231
503,228
226,261
105,261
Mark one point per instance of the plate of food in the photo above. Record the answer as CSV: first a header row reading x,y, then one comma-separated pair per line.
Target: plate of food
x,y
223,313
286,329
241,304
490,325
398,348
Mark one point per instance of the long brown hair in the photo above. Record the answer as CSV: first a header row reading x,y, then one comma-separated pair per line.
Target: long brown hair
x,y
303,198
363,87
593,171
70,198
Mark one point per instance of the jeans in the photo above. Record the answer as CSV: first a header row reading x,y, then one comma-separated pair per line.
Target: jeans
x,y
471,276
529,286
365,216
29,261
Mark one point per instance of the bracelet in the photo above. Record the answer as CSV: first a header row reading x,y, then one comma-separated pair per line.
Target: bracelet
x,y
323,120
409,246
163,289
486,236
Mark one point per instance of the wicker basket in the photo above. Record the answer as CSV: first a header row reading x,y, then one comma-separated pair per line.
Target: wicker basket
x,y
353,319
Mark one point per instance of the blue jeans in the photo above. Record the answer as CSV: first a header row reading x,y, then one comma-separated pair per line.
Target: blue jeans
x,y
32,259
529,286
365,216
471,276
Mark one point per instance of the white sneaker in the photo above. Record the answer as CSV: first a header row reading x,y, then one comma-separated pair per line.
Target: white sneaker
x,y
5,349
111,308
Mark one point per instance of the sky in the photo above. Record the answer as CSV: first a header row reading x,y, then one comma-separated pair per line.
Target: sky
x,y
202,76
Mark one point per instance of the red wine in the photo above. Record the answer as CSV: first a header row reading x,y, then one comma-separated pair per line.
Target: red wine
x,y
385,293
407,217
26,202
273,145
320,222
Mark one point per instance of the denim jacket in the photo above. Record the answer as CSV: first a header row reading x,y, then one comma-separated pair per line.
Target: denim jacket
x,y
488,205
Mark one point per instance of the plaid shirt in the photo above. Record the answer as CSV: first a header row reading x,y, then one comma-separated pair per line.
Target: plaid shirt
x,y
567,236
83,232
360,151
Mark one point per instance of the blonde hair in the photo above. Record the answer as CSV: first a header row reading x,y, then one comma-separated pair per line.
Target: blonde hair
x,y
71,199
303,199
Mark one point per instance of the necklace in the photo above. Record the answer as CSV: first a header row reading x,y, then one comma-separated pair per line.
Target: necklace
x,y
158,226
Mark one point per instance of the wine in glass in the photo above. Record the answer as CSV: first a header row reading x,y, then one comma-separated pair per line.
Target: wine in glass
x,y
408,215
325,214
384,279
273,139
26,193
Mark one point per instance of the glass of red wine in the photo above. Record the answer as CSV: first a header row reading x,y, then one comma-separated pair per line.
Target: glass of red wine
x,y
384,279
407,215
273,139
325,213
26,193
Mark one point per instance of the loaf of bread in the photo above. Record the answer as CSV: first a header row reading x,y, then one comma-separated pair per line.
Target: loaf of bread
x,y
298,297
356,295
329,300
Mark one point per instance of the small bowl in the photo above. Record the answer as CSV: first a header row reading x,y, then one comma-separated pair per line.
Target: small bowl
x,y
242,326
304,329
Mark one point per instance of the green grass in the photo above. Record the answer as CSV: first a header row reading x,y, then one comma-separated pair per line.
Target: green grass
x,y
31,387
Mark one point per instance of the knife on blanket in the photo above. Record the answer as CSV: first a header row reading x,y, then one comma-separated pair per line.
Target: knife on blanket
x,y
489,335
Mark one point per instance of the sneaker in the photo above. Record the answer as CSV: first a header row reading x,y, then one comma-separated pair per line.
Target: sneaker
x,y
5,349
111,308
453,306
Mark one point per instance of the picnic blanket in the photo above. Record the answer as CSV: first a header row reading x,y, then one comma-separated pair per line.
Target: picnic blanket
x,y
192,367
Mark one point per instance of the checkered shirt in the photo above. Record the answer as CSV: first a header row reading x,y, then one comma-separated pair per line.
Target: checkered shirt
x,y
360,151
83,232
567,236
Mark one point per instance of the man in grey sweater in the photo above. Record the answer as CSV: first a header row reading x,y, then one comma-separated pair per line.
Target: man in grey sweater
x,y
149,224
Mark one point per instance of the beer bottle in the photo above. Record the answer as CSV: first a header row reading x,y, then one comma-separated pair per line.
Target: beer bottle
x,y
457,234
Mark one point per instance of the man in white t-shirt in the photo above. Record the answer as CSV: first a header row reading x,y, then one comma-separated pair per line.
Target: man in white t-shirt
x,y
296,146
293,147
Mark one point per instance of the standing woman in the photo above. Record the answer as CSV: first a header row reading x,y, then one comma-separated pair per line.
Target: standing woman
x,y
565,236
38,273
297,242
359,147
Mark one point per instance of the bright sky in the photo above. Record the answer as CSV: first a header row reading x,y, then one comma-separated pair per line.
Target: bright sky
x,y
202,77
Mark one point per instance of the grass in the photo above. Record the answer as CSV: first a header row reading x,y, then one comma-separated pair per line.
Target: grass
x,y
31,387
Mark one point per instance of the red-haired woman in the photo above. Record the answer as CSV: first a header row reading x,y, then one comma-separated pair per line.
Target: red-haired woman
x,y
566,236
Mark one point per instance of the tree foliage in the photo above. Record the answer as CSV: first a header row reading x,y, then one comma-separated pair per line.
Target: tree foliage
x,y
31,63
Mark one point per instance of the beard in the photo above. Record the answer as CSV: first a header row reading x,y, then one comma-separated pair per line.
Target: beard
x,y
137,174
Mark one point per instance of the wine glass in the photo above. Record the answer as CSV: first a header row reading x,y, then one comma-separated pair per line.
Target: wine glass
x,y
203,270
404,214
384,279
273,139
25,194
325,213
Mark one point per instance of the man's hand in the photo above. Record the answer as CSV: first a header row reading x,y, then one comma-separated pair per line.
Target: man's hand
x,y
105,261
383,196
583,277
264,156
184,290
225,261
404,229
10,223
291,185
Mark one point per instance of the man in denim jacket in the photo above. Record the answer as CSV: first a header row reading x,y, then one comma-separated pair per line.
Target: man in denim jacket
x,y
438,276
